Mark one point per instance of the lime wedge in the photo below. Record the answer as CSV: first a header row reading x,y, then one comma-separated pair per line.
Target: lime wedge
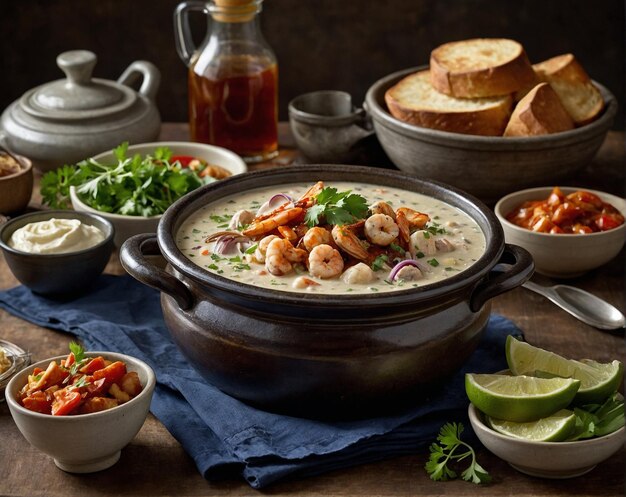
x,y
519,398
597,380
555,428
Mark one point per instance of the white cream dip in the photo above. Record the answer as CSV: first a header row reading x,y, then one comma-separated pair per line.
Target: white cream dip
x,y
55,236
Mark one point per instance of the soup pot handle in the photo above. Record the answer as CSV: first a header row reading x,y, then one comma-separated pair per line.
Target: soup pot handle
x,y
514,267
133,258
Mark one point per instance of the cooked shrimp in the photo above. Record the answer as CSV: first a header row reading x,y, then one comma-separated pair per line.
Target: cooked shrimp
x,y
280,256
308,198
325,262
261,248
422,242
346,240
316,236
304,282
381,229
279,217
381,207
288,233
359,274
408,219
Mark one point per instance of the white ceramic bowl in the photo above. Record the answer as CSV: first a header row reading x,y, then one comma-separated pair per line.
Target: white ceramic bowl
x,y
547,459
84,443
127,226
562,255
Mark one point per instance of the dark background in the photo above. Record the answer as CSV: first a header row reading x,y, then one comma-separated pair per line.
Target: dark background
x,y
320,44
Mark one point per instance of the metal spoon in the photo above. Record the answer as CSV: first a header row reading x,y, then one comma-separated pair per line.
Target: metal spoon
x,y
582,305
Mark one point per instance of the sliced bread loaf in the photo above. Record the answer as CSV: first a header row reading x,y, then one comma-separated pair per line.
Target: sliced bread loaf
x,y
481,67
572,84
540,112
415,101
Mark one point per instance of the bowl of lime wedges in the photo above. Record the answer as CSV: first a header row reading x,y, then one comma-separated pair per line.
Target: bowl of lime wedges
x,y
548,416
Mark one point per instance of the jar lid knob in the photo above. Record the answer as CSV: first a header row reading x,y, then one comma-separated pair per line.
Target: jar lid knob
x,y
77,65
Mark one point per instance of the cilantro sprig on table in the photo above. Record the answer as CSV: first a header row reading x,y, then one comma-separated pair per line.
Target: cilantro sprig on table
x,y
447,451
336,208
136,186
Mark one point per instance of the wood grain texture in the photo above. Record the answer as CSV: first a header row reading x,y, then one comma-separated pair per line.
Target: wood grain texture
x,y
155,465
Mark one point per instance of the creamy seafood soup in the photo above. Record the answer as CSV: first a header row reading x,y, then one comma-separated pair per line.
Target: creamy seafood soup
x,y
332,238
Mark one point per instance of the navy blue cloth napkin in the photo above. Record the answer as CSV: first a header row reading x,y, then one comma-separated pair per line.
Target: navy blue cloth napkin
x,y
224,436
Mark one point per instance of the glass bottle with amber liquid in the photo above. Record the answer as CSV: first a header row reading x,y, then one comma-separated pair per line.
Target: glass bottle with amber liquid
x,y
233,79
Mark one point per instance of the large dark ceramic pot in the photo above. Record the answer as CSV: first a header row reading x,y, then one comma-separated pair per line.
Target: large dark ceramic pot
x,y
324,355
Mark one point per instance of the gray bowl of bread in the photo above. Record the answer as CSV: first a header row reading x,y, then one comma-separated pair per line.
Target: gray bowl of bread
x,y
482,118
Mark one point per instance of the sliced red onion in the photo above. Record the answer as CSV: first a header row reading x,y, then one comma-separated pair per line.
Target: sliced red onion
x,y
227,242
273,203
226,245
409,262
217,234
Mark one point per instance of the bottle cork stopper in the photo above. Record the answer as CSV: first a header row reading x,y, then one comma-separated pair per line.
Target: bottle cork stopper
x,y
235,10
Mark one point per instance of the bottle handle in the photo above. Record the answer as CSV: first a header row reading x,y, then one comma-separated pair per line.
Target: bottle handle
x,y
182,32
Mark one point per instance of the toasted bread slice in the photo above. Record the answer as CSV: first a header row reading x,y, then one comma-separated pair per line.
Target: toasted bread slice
x,y
415,101
540,112
572,84
482,67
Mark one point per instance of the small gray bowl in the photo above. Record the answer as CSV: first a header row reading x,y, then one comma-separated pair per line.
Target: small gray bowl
x,y
58,274
488,167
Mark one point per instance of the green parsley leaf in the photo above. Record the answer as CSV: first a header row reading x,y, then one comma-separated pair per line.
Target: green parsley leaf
x,y
433,262
137,186
79,358
335,207
447,451
379,262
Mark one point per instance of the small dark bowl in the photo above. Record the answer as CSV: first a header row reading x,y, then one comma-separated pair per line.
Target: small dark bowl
x,y
16,189
58,274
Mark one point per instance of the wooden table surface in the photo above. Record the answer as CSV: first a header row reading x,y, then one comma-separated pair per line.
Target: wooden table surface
x,y
154,464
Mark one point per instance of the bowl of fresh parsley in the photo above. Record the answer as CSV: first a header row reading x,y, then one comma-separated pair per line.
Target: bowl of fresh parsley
x,y
132,186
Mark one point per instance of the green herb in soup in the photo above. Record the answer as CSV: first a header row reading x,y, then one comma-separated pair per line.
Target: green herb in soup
x,y
340,238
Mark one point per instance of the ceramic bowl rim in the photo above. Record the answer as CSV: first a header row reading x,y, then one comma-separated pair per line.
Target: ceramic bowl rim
x,y
76,201
500,143
545,191
26,165
476,420
137,363
241,167
172,219
67,215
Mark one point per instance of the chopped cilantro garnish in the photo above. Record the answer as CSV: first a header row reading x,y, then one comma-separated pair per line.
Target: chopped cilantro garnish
x,y
336,208
379,262
433,262
251,250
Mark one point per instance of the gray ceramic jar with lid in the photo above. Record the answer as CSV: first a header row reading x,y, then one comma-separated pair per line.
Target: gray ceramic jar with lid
x,y
71,119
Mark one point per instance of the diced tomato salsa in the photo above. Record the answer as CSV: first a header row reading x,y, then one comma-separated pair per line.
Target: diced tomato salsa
x,y
579,212
86,385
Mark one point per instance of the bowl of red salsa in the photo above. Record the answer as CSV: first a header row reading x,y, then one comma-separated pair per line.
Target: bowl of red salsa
x,y
81,408
568,230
